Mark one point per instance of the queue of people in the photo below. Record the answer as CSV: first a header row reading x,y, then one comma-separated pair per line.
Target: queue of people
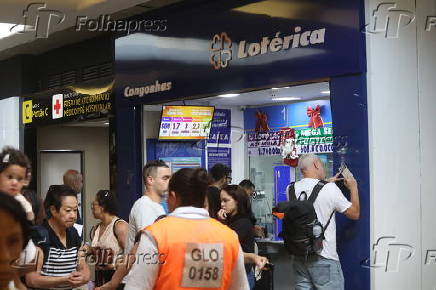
x,y
207,240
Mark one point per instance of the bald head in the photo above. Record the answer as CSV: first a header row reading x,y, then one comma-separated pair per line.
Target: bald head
x,y
311,166
74,179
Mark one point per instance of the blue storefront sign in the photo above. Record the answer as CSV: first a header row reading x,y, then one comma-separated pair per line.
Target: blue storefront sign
x,y
219,155
229,46
221,128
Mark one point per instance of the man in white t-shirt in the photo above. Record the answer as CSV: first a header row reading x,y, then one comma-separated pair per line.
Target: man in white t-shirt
x,y
145,211
324,272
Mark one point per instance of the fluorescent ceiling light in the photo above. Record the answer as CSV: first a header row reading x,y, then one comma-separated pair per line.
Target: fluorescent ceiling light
x,y
275,88
286,99
285,87
228,95
325,92
106,123
5,29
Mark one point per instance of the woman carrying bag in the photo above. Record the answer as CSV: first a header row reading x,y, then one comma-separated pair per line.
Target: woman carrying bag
x,y
108,237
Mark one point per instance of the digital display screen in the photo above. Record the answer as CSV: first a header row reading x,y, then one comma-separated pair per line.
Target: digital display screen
x,y
185,122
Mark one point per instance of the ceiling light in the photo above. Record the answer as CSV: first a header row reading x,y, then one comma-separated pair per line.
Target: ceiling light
x,y
6,29
106,123
286,99
285,87
228,95
275,88
325,92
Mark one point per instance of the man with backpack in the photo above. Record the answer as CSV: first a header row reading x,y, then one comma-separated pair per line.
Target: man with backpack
x,y
309,227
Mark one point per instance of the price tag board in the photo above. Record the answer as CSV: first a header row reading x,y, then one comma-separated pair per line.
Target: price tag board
x,y
185,122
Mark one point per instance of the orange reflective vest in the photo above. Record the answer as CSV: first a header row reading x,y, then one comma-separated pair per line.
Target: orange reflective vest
x,y
194,254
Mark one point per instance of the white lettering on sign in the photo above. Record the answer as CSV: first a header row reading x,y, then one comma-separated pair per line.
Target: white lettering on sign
x,y
145,90
204,265
279,43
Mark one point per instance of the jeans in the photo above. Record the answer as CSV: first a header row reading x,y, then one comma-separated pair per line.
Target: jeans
x,y
251,279
318,273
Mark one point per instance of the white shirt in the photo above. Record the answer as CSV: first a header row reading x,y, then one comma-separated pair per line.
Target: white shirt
x,y
143,213
144,275
329,199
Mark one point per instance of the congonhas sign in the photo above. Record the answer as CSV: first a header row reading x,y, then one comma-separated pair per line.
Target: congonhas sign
x,y
221,46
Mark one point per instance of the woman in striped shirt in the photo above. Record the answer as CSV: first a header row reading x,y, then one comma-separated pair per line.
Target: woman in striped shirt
x,y
59,266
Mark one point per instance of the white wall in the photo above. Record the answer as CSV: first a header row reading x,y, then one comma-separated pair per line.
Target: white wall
x,y
10,122
94,142
401,118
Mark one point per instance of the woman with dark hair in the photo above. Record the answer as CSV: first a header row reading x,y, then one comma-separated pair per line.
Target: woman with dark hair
x,y
188,249
109,236
13,238
236,214
59,265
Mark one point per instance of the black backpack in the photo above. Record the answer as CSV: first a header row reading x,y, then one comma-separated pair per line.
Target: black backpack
x,y
302,232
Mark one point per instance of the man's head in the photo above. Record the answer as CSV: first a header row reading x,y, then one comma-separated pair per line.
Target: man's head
x,y
311,166
74,179
156,176
248,186
221,175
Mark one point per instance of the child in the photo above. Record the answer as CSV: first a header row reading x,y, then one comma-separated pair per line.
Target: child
x,y
13,173
14,166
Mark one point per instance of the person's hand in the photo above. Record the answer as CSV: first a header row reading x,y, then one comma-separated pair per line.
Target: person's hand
x,y
222,214
260,261
258,231
334,178
350,182
76,279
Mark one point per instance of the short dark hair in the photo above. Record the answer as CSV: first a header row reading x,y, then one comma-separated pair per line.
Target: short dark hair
x,y
14,208
11,156
108,201
219,171
239,195
55,194
190,186
150,169
246,183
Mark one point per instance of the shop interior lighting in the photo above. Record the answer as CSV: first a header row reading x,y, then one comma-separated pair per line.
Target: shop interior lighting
x,y
228,95
325,92
286,99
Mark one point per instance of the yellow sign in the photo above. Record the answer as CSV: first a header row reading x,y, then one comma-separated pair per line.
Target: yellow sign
x,y
27,112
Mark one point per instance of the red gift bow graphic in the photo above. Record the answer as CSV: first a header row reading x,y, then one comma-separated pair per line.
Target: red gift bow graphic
x,y
315,117
261,122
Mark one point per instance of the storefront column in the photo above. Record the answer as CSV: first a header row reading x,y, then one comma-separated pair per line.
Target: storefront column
x,y
350,118
10,122
129,157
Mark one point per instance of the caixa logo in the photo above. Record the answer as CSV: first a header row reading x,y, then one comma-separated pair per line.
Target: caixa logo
x,y
221,50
